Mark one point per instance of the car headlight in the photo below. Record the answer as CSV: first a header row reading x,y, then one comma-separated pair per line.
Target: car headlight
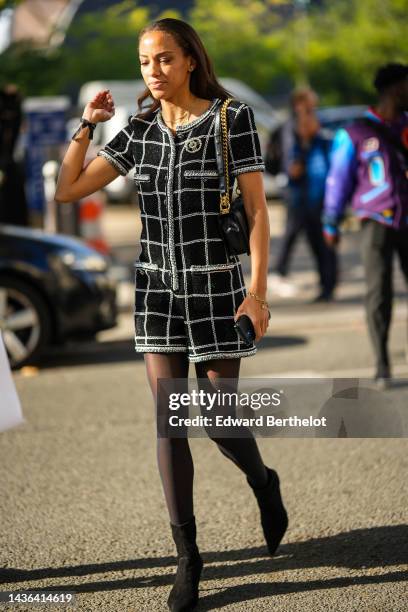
x,y
82,261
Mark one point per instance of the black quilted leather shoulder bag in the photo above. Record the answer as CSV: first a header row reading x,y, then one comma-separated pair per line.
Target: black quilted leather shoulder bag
x,y
232,220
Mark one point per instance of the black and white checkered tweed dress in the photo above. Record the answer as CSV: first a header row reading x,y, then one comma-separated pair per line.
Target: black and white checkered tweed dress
x,y
187,286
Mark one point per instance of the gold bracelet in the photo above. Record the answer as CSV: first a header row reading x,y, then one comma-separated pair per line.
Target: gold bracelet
x,y
264,303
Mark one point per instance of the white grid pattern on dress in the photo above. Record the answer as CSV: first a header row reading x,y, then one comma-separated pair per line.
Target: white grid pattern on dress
x,y
179,202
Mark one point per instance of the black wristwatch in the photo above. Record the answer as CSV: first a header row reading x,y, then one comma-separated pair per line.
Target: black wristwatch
x,y
85,123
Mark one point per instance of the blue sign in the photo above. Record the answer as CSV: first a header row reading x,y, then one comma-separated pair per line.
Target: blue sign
x,y
35,181
46,127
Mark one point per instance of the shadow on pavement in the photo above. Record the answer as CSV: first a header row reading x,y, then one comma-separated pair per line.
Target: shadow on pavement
x,y
268,342
88,353
360,549
116,351
339,301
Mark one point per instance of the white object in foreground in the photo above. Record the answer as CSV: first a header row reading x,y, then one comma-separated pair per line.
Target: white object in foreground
x,y
10,408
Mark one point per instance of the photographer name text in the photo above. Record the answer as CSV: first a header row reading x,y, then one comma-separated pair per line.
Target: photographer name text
x,y
268,420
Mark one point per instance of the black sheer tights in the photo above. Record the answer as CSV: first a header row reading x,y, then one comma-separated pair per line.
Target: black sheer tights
x,y
173,454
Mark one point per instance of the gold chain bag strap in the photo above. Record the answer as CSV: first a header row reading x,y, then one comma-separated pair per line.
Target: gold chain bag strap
x,y
232,219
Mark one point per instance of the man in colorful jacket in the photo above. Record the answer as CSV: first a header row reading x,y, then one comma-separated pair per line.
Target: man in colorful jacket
x,y
369,168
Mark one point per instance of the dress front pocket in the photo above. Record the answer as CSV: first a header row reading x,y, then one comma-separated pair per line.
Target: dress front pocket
x,y
201,179
201,174
212,287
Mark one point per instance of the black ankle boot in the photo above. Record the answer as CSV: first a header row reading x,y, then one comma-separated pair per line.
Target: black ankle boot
x,y
274,518
184,594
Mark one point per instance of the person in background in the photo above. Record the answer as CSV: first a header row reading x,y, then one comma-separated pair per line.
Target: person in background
x,y
369,167
306,162
13,204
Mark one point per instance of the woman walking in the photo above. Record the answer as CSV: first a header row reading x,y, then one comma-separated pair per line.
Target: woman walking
x,y
189,290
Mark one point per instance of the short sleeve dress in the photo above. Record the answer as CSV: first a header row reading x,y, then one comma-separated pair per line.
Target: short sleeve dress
x,y
187,286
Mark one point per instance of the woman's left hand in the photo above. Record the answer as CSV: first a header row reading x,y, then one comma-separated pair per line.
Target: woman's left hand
x,y
258,315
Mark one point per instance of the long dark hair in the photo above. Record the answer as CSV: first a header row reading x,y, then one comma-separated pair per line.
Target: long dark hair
x,y
203,82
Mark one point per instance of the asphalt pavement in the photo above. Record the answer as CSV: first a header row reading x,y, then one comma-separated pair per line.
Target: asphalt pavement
x,y
81,502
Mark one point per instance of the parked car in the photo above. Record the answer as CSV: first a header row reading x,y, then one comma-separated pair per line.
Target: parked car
x,y
331,119
52,287
125,94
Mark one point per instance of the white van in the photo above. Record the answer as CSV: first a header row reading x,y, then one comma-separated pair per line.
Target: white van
x,y
125,94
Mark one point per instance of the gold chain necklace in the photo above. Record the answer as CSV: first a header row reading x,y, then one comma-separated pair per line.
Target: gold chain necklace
x,y
172,122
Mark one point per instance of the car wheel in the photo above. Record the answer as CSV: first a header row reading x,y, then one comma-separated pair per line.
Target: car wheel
x,y
24,321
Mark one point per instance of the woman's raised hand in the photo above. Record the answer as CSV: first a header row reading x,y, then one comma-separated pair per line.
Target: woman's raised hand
x,y
101,108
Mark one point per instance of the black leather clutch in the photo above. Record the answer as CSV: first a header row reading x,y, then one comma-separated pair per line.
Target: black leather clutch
x,y
245,329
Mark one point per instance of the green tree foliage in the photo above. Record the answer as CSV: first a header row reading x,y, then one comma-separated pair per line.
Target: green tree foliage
x,y
100,48
105,48
8,3
350,41
37,72
335,46
239,36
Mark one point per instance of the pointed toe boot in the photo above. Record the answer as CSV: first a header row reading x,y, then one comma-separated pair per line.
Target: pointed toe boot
x,y
184,594
274,518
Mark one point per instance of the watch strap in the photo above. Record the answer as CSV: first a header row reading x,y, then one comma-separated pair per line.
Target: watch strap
x,y
85,123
